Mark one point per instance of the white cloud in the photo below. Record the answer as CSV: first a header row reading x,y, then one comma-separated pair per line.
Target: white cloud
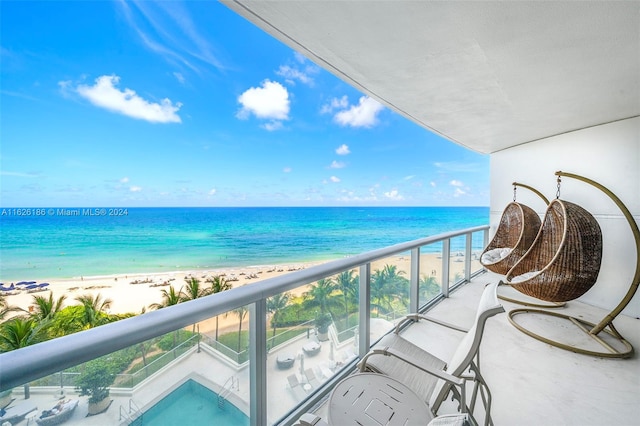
x,y
456,183
365,114
272,125
268,102
433,184
393,195
105,94
291,74
179,77
336,165
135,189
287,170
335,104
458,192
124,180
213,191
409,177
343,150
334,179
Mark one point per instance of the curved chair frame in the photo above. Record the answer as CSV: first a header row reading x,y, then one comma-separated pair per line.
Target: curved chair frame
x,y
593,330
524,216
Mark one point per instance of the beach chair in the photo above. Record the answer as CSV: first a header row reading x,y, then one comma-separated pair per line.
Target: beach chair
x,y
15,414
311,378
429,376
296,388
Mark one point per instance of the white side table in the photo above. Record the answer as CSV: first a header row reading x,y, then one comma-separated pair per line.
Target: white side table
x,y
376,399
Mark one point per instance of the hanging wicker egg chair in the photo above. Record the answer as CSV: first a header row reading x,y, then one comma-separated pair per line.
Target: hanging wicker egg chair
x,y
516,231
564,260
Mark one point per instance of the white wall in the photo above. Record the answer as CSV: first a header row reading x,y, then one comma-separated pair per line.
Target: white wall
x,y
608,154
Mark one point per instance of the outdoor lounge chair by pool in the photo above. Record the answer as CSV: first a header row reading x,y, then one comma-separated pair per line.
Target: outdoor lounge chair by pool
x,y
296,388
432,378
16,413
60,413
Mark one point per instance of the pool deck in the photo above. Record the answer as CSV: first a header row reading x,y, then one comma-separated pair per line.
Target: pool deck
x,y
213,370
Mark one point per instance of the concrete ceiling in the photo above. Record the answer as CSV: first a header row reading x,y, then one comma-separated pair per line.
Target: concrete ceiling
x,y
486,75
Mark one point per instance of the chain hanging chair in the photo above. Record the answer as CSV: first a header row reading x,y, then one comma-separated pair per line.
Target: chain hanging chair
x,y
563,262
517,229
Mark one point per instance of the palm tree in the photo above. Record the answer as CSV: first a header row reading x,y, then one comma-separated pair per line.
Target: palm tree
x,y
218,285
348,284
193,290
398,286
94,310
241,312
275,304
321,294
169,298
5,308
18,333
47,307
428,286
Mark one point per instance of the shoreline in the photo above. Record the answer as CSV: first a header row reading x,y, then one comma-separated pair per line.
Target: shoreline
x,y
131,293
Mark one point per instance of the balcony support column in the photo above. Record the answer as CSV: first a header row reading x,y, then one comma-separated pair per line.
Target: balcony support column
x,y
446,260
365,309
467,257
414,289
258,362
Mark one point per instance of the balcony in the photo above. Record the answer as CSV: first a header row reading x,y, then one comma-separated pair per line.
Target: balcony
x,y
275,374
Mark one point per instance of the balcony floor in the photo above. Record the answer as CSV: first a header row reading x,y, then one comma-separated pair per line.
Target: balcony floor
x,y
534,383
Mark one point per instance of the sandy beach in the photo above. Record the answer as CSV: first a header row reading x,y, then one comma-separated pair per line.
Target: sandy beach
x,y
130,293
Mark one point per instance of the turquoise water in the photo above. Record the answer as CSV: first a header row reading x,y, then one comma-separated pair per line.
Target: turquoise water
x,y
193,404
50,243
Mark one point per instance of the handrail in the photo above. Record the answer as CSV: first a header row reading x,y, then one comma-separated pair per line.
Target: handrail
x,y
26,364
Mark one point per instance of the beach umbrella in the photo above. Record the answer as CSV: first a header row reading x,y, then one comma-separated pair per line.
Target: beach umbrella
x,y
43,284
31,287
302,363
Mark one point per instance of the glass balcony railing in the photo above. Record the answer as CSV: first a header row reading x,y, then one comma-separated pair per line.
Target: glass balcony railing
x,y
271,349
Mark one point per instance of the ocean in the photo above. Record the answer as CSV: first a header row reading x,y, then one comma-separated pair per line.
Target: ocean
x,y
52,243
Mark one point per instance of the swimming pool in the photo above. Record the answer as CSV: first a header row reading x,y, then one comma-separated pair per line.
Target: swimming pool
x,y
193,404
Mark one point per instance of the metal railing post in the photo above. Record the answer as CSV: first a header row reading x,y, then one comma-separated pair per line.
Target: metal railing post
x,y
446,260
414,288
467,257
258,362
365,309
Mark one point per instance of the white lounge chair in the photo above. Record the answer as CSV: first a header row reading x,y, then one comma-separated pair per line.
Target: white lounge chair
x,y
432,378
16,413
296,388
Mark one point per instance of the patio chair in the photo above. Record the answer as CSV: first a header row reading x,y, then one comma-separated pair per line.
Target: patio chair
x,y
296,388
310,419
16,413
311,378
432,378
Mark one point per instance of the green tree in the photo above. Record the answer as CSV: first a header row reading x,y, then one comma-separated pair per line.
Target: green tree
x,y
322,295
94,311
218,285
193,290
46,307
275,305
241,312
169,298
428,287
18,333
347,283
5,308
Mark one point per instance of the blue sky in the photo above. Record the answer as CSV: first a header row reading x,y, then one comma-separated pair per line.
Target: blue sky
x,y
111,103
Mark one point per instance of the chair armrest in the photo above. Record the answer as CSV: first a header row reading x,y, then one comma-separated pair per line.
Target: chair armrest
x,y
418,317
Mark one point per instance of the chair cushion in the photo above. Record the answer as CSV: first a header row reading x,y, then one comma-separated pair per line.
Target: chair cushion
x,y
417,380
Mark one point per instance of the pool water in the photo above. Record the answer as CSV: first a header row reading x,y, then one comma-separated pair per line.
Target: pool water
x,y
193,404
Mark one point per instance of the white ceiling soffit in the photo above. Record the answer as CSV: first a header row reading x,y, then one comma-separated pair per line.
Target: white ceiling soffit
x,y
486,75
